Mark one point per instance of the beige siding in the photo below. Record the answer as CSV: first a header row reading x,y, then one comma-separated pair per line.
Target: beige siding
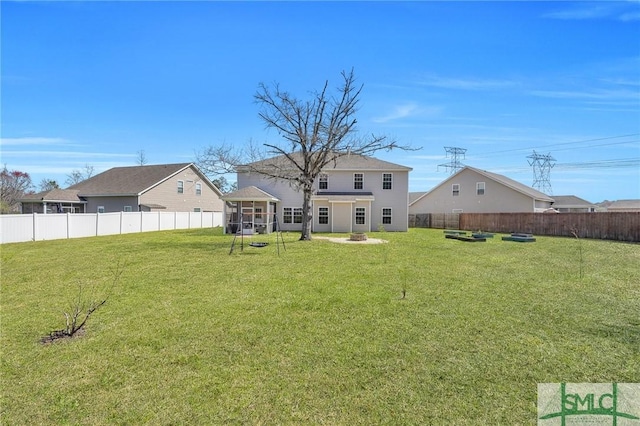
x,y
166,194
497,197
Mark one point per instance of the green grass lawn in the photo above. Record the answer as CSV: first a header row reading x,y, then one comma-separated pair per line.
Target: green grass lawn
x,y
317,335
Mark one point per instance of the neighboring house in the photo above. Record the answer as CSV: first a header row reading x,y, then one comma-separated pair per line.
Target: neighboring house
x,y
472,190
355,193
572,204
167,187
53,201
624,206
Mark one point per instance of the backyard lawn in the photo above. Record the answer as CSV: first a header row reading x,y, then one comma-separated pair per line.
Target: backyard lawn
x,y
420,330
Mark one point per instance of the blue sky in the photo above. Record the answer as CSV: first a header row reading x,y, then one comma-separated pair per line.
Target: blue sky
x,y
93,83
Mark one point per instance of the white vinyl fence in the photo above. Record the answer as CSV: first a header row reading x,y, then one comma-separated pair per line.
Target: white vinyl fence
x,y
17,228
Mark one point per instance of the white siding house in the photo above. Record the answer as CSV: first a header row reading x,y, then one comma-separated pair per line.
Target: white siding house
x,y
353,194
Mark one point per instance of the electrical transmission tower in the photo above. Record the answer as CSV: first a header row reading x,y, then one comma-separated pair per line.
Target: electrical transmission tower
x,y
542,165
455,154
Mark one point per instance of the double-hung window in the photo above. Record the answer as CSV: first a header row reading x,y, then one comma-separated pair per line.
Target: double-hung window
x,y
361,215
387,180
479,188
323,215
180,187
455,189
323,181
386,216
358,181
198,188
297,215
287,215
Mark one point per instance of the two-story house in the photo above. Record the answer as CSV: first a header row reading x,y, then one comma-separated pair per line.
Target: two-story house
x,y
356,193
162,187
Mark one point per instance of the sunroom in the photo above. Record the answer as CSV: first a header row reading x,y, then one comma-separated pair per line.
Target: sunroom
x,y
250,210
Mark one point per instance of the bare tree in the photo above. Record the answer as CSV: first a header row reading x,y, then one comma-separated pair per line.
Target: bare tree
x,y
141,159
14,184
48,185
77,176
315,133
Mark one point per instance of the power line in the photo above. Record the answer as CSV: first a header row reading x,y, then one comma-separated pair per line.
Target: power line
x,y
569,143
455,163
542,165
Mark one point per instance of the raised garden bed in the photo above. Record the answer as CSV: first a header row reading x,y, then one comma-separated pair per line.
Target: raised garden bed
x,y
520,238
464,238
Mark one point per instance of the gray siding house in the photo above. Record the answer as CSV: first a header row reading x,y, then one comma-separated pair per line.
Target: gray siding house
x,y
472,190
355,193
165,187
572,204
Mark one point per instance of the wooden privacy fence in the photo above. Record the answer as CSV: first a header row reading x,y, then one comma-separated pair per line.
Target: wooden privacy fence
x,y
434,220
619,226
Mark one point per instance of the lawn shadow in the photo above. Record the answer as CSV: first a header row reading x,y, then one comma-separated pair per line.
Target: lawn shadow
x,y
628,334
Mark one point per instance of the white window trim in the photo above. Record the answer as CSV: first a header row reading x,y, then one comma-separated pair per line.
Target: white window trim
x,y
390,215
100,209
127,209
456,211
320,181
454,190
198,188
284,215
321,216
180,187
390,182
480,186
355,217
361,182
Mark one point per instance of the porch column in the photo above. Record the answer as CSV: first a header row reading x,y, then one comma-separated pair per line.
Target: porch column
x,y
44,207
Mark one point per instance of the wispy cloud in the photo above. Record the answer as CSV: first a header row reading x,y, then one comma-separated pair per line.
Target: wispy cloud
x,y
621,11
33,141
466,83
66,154
407,110
602,94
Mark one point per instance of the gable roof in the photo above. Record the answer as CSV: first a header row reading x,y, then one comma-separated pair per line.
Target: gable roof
x,y
413,196
624,204
249,193
344,162
54,196
570,201
508,182
134,180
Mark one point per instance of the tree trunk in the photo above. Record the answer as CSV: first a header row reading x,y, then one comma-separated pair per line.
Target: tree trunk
x,y
306,214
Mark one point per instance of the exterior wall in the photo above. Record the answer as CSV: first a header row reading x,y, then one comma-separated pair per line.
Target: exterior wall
x,y
111,204
395,198
282,190
342,181
166,194
497,197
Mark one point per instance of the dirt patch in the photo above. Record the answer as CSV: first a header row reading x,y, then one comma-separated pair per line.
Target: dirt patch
x,y
346,240
60,335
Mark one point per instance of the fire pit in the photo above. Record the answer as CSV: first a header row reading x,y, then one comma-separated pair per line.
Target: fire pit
x,y
358,236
